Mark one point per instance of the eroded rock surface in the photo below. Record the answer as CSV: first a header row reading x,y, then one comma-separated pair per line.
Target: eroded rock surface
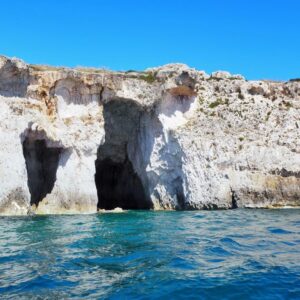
x,y
172,137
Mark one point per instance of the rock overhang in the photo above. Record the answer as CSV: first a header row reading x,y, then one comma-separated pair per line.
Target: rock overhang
x,y
200,140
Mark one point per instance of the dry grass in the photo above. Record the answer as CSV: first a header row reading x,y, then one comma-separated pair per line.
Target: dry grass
x,y
68,121
91,70
33,106
45,68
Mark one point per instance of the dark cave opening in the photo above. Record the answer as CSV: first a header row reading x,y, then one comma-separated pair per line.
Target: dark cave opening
x,y
117,181
118,185
234,200
41,164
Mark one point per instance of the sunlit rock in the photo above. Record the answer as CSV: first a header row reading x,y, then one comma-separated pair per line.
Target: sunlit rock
x,y
82,140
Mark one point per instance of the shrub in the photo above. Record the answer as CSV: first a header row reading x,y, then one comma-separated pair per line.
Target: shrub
x,y
287,104
268,115
241,96
216,103
149,77
256,90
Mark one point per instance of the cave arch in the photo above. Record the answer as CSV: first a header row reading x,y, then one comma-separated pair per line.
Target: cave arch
x,y
117,181
41,165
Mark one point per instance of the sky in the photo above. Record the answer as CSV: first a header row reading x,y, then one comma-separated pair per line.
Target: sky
x,y
259,38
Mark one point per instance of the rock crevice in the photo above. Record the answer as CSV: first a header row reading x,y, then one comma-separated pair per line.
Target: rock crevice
x,y
170,137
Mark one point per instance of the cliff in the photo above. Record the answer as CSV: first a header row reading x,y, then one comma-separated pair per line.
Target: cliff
x,y
172,137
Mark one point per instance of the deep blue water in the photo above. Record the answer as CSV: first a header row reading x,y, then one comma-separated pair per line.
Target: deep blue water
x,y
234,254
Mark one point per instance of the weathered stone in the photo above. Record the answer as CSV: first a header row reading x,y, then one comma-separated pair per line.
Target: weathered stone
x,y
171,137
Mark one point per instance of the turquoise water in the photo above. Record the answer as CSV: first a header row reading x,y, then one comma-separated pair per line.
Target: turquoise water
x,y
234,254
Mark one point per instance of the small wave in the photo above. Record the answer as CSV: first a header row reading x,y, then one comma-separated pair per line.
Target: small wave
x,y
278,230
165,255
230,242
115,210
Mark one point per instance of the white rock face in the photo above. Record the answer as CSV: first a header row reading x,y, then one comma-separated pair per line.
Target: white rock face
x,y
172,137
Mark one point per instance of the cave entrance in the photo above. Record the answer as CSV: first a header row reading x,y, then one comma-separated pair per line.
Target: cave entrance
x,y
41,164
119,186
117,182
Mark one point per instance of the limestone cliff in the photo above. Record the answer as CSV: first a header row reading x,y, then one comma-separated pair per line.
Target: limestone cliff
x,y
172,137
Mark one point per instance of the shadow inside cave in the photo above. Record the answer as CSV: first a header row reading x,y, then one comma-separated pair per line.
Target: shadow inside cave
x,y
118,183
41,164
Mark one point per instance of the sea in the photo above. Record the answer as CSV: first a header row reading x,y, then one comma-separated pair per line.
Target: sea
x,y
220,254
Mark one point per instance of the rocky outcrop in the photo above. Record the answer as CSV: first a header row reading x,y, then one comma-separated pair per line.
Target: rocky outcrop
x,y
172,137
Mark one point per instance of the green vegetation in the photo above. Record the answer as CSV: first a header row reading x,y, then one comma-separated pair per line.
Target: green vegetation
x,y
287,104
241,138
200,100
235,78
295,80
149,77
268,115
214,78
131,71
216,103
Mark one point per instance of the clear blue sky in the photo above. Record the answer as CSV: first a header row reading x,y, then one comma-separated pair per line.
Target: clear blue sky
x,y
258,38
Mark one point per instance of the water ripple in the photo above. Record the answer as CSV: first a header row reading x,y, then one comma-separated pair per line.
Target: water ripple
x,y
235,254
